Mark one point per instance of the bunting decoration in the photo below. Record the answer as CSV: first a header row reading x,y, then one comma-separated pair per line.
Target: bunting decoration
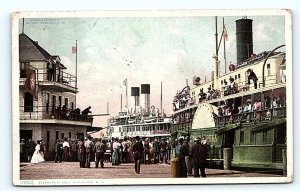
x,y
30,83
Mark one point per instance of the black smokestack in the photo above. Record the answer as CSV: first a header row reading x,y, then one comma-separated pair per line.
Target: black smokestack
x,y
244,40
145,97
135,91
145,88
135,98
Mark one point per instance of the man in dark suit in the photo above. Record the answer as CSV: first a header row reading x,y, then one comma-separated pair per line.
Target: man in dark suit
x,y
138,150
81,151
199,155
58,151
252,76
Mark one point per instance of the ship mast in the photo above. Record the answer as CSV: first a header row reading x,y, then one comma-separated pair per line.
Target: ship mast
x,y
161,99
224,39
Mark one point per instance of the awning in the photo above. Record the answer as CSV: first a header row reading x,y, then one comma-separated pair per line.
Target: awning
x,y
94,129
268,124
227,128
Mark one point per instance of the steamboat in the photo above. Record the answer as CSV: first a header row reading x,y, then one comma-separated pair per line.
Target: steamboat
x,y
242,112
141,120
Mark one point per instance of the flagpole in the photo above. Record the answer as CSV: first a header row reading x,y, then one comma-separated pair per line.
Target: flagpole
x,y
224,46
161,98
126,95
121,102
76,76
23,26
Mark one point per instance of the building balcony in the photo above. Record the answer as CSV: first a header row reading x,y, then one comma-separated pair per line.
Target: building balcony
x,y
41,115
61,81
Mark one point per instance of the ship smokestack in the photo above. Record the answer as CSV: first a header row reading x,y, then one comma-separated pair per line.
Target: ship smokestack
x,y
244,40
135,98
145,97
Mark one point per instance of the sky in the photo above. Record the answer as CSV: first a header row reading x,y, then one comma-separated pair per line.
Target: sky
x,y
143,50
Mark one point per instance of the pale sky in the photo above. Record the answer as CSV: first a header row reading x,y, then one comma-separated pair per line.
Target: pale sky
x,y
166,49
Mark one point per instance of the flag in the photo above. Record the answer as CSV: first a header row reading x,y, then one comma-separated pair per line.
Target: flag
x,y
74,49
225,34
125,82
30,83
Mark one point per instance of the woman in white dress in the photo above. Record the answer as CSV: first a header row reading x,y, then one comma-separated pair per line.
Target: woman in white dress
x,y
37,157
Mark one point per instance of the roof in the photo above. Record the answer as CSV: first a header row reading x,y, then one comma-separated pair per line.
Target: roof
x,y
227,128
269,124
30,50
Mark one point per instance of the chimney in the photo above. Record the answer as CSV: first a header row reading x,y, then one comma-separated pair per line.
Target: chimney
x,y
244,39
145,97
135,98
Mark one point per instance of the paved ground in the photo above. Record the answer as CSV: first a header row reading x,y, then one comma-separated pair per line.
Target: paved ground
x,y
71,170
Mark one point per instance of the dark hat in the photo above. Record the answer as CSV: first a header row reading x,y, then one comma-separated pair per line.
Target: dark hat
x,y
137,137
89,136
198,139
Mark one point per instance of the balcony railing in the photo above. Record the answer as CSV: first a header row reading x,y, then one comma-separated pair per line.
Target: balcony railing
x,y
42,76
44,112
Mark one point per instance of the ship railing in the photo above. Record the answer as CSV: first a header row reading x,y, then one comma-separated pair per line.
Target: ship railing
x,y
44,112
237,88
159,132
253,116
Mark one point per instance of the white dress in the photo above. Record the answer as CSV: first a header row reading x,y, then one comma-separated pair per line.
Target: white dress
x,y
37,157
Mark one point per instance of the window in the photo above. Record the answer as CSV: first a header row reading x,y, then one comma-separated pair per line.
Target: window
x,y
268,69
242,134
252,138
28,102
265,136
48,139
239,76
23,68
53,104
62,135
59,101
72,106
235,77
138,128
56,135
67,102
70,135
221,82
47,102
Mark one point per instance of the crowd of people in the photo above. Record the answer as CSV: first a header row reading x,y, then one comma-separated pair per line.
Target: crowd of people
x,y
194,157
182,99
121,151
259,110
31,151
65,114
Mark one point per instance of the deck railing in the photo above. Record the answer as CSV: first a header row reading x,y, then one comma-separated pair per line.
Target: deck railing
x,y
253,116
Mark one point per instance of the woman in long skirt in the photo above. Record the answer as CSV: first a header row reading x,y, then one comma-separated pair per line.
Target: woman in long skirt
x,y
37,157
66,152
116,153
